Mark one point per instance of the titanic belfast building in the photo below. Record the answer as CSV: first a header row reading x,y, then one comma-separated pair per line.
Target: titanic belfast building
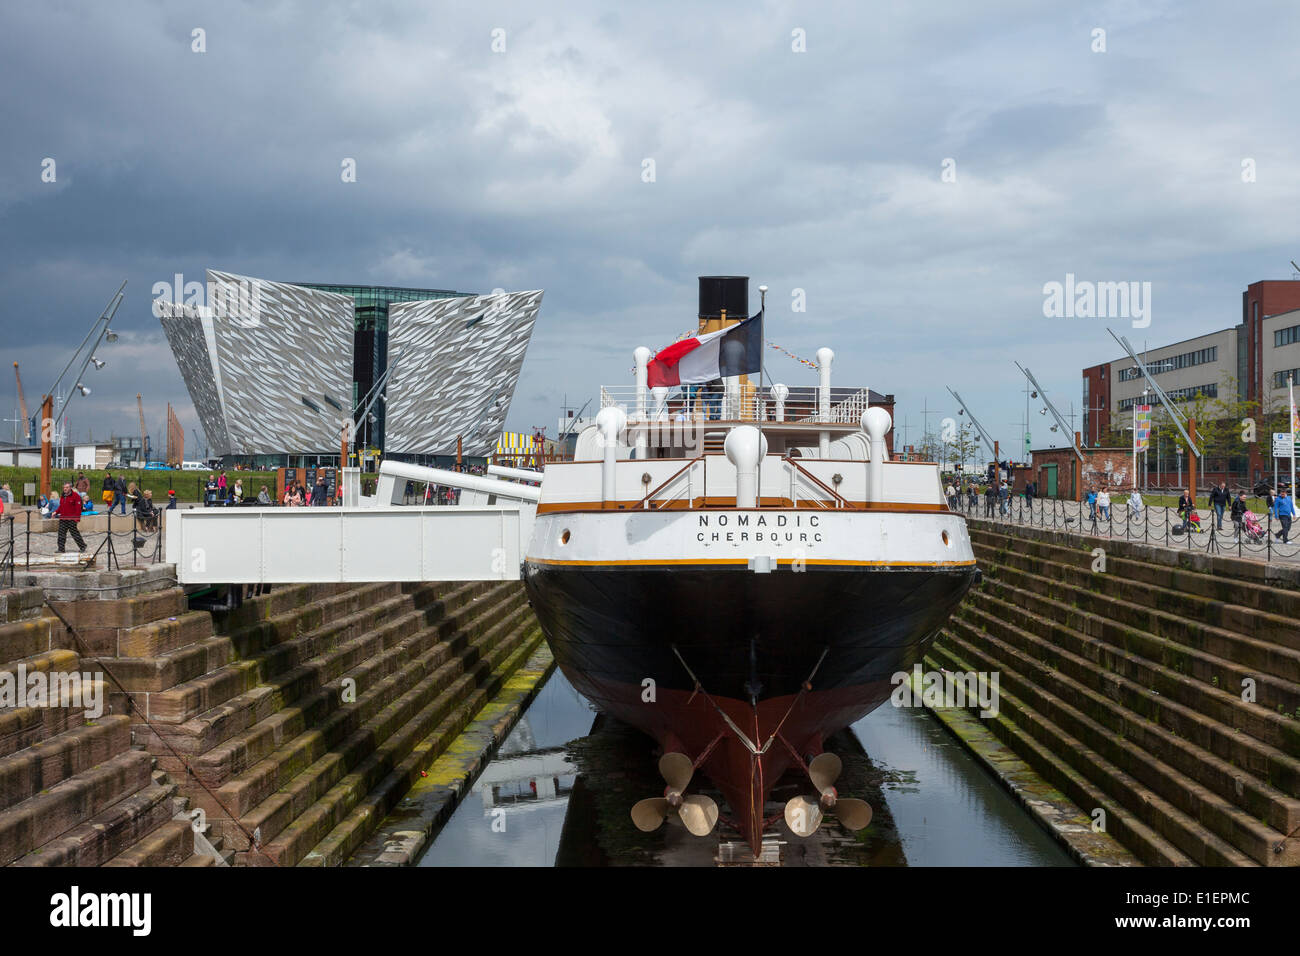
x,y
276,368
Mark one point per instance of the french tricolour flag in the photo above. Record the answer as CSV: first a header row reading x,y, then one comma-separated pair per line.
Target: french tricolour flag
x,y
734,351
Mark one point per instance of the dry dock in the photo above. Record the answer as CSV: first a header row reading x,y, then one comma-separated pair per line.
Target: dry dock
x,y
1149,712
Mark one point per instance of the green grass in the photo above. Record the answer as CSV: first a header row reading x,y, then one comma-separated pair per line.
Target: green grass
x,y
187,484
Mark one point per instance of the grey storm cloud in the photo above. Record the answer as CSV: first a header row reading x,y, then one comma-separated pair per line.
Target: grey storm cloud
x,y
817,170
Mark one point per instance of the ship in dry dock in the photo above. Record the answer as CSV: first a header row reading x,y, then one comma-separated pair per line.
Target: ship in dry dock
x,y
739,569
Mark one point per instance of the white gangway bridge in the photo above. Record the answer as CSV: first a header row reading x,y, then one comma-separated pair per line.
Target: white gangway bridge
x,y
375,538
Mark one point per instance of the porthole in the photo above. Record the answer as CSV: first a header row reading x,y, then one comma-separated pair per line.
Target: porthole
x,y
947,542
564,536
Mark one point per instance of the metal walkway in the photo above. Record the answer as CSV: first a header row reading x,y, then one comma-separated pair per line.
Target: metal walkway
x,y
368,539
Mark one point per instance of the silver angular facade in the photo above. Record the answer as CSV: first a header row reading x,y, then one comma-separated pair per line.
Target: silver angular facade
x,y
269,366
457,363
265,347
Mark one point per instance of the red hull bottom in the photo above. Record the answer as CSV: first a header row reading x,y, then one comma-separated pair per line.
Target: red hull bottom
x,y
690,723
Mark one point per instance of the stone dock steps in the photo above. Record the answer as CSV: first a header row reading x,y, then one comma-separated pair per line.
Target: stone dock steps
x,y
302,715
297,817
352,830
1040,744
1124,689
73,790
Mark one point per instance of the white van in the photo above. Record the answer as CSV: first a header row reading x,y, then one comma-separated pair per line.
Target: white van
x,y
193,466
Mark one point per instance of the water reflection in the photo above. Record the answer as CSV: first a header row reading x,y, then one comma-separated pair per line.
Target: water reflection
x,y
515,813
936,805
949,811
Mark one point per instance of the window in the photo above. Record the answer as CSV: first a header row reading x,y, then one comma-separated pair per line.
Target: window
x,y
1176,395
1172,362
1286,336
1280,377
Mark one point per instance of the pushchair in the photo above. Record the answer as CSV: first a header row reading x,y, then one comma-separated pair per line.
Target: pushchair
x,y
1250,526
1190,523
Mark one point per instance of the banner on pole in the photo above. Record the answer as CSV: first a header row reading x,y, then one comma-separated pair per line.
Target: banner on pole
x,y
1141,427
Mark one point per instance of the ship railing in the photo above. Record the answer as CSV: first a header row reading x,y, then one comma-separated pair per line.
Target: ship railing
x,y
804,481
680,483
745,403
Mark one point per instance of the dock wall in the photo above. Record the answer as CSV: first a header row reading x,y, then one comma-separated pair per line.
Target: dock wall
x,y
1160,687
292,724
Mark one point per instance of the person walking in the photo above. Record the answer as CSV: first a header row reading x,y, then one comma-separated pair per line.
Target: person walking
x,y
119,494
1219,499
951,493
1239,510
69,513
1103,504
1285,507
1092,504
972,499
1004,498
990,496
318,493
221,488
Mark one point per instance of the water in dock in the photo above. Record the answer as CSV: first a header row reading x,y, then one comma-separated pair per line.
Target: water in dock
x,y
559,791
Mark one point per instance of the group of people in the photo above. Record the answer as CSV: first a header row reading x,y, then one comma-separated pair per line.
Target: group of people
x,y
1280,506
74,502
996,494
297,495
1098,500
219,492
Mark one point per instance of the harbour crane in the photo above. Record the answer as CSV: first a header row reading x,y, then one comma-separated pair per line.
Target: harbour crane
x,y
22,405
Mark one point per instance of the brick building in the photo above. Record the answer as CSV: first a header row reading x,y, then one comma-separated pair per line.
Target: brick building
x,y
1257,354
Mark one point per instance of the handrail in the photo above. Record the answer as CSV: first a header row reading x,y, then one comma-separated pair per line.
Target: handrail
x,y
645,502
843,503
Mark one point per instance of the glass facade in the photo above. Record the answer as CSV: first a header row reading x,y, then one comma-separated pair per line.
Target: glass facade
x,y
1286,336
1283,376
1186,360
370,346
1175,395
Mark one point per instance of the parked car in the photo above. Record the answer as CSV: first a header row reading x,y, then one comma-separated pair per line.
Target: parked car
x,y
193,466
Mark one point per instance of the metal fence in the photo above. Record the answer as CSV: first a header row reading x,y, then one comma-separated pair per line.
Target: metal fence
x,y
7,554
1152,524
131,541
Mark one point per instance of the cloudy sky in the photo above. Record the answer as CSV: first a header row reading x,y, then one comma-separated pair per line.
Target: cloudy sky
x,y
918,170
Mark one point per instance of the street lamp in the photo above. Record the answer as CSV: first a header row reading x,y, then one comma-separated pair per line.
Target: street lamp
x,y
48,413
